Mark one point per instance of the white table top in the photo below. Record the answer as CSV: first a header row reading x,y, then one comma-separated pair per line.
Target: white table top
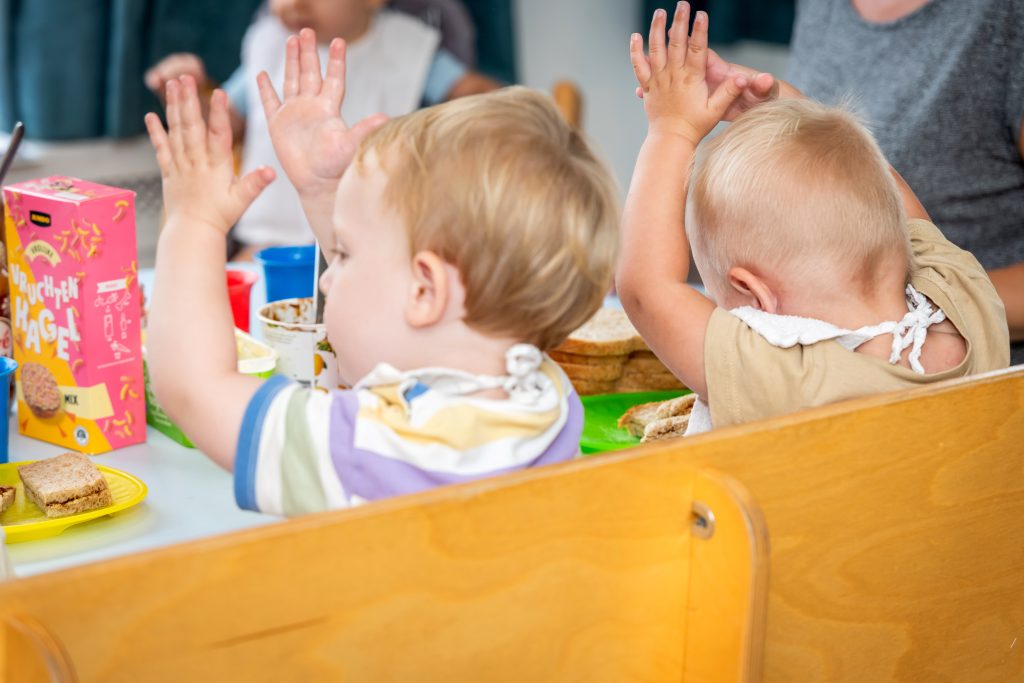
x,y
189,497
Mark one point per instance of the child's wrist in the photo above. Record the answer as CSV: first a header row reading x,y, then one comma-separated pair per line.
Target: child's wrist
x,y
318,190
675,129
195,227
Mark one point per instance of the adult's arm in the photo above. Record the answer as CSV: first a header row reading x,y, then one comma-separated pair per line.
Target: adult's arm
x,y
1009,281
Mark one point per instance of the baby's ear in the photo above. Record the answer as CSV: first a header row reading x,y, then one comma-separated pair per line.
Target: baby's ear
x,y
753,290
429,290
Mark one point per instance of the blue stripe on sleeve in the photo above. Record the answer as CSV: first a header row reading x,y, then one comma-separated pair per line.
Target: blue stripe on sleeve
x,y
248,448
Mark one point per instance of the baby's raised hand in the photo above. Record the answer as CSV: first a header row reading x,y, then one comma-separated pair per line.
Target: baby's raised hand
x,y
312,142
761,86
678,97
196,165
174,66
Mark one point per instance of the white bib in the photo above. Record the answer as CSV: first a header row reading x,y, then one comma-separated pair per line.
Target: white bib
x,y
525,383
786,331
386,71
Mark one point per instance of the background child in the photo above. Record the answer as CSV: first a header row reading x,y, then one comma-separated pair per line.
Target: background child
x,y
396,63
463,240
804,243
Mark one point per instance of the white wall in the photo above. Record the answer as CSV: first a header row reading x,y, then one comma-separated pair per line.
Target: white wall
x,y
587,41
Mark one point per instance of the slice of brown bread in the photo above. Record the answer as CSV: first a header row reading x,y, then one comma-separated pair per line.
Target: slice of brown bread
x,y
93,501
675,407
586,387
65,484
649,383
597,373
580,359
667,428
607,333
639,416
645,365
7,494
636,376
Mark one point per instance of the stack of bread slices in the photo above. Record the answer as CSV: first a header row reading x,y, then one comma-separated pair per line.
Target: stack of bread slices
x,y
607,355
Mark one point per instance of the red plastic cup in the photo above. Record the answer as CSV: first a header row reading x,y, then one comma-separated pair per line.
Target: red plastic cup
x,y
240,284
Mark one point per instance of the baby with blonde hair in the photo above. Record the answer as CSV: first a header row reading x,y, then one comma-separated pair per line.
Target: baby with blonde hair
x,y
463,241
759,192
826,279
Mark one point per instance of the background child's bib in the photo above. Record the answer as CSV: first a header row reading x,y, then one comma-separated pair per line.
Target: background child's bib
x,y
386,72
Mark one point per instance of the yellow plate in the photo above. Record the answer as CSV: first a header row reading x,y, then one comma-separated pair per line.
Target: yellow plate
x,y
23,521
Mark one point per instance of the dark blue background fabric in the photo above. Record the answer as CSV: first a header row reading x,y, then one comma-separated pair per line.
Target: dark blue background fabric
x,y
73,68
731,20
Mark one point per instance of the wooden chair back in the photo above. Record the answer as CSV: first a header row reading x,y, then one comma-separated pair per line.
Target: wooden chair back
x,y
896,554
607,570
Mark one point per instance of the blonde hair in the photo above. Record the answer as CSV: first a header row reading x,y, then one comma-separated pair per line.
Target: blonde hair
x,y
499,186
793,184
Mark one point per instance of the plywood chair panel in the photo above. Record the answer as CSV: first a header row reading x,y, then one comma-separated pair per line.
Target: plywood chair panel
x,y
896,543
579,573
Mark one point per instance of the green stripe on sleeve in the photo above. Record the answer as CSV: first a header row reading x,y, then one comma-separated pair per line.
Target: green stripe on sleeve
x,y
301,488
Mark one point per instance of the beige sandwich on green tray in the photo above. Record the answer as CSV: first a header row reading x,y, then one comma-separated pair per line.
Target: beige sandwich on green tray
x,y
660,419
65,485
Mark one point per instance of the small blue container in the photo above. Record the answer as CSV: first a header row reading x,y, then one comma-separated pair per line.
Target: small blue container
x,y
289,272
7,368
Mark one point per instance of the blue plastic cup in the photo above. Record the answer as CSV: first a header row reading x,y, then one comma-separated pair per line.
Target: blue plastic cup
x,y
289,272
7,368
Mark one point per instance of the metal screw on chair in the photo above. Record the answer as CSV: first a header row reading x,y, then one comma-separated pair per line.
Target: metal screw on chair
x,y
702,521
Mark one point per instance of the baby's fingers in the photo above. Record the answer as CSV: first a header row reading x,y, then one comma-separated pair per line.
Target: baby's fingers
x,y
726,94
193,125
291,67
219,138
764,86
366,126
334,83
268,96
174,125
641,67
249,186
309,63
697,54
158,136
656,41
677,39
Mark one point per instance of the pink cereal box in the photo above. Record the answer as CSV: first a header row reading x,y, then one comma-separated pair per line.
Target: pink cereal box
x,y
75,313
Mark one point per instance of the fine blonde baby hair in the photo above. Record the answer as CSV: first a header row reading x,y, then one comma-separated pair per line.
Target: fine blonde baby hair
x,y
502,188
792,186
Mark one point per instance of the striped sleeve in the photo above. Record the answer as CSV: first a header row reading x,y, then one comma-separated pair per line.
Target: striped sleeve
x,y
283,465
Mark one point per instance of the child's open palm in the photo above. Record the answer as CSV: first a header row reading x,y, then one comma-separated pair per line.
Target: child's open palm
x,y
677,95
312,142
196,164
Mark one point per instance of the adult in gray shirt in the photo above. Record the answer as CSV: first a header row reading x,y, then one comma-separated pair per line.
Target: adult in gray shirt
x,y
941,85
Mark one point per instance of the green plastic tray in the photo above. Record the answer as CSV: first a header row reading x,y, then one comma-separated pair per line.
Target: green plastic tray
x,y
601,414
